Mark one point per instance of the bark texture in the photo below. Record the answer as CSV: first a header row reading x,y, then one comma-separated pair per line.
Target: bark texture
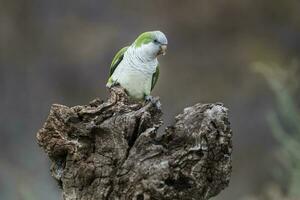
x,y
113,150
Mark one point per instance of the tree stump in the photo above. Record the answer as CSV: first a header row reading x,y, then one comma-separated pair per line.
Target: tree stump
x,y
113,150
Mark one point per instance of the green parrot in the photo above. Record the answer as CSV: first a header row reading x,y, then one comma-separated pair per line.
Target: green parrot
x,y
135,67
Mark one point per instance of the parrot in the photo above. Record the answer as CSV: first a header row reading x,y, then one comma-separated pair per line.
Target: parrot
x,y
136,68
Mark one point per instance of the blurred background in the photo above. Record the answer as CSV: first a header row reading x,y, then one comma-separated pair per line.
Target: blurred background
x,y
242,53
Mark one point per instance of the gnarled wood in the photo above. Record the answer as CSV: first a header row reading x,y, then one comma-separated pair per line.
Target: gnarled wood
x,y
113,150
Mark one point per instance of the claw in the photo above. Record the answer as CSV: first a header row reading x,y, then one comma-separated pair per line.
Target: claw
x,y
153,100
115,84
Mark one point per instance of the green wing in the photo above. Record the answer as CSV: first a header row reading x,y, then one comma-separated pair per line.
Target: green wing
x,y
117,59
155,78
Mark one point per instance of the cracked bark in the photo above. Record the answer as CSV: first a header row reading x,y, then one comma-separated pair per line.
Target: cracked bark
x,y
113,150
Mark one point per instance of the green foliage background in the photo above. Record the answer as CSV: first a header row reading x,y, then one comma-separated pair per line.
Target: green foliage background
x,y
285,121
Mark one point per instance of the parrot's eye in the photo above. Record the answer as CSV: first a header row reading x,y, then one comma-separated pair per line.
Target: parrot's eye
x,y
155,41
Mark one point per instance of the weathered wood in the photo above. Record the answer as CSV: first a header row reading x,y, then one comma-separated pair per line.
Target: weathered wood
x,y
113,150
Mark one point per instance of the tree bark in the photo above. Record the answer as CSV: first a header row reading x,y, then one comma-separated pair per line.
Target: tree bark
x,y
113,150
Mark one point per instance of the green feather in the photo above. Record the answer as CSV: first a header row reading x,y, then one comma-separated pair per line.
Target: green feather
x,y
144,38
155,77
117,59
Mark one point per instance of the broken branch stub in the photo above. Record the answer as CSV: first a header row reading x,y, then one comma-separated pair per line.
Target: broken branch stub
x,y
112,150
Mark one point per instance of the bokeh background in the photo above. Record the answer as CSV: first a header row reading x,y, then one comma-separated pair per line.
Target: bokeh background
x,y
243,53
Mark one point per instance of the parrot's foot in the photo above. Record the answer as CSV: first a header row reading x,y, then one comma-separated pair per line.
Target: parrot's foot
x,y
153,100
113,84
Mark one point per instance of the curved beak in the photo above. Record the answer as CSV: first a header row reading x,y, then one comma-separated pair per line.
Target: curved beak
x,y
163,49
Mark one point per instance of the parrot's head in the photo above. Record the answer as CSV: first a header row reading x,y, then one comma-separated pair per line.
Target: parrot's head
x,y
151,44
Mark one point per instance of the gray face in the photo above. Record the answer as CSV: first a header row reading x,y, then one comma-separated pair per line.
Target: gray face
x,y
160,38
155,48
